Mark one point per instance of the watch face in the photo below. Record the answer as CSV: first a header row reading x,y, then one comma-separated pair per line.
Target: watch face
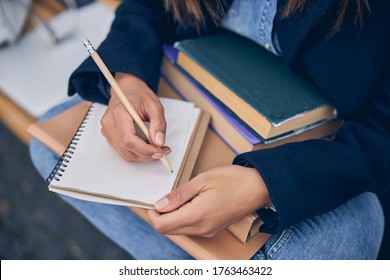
x,y
13,15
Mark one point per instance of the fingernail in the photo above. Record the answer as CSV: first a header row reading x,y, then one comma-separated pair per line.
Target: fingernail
x,y
162,203
168,152
160,138
157,156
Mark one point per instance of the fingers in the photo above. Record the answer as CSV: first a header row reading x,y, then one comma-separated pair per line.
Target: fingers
x,y
120,131
177,222
181,204
178,197
126,132
157,124
210,202
189,219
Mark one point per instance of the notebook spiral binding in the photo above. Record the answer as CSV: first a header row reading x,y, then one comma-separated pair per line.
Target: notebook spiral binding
x,y
62,163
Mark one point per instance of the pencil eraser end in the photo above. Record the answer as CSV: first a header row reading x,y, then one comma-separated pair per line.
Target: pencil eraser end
x,y
88,45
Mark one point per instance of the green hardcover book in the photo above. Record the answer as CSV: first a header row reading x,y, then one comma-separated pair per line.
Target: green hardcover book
x,y
253,83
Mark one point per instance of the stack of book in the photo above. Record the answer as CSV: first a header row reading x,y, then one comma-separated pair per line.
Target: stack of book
x,y
254,99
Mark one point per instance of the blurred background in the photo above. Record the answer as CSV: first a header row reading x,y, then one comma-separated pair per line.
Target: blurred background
x,y
35,223
35,38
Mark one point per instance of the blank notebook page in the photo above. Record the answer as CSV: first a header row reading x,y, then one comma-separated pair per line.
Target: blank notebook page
x,y
96,170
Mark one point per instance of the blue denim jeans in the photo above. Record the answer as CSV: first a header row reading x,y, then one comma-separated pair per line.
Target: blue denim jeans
x,y
352,231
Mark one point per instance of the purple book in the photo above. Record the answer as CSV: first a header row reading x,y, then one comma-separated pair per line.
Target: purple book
x,y
171,54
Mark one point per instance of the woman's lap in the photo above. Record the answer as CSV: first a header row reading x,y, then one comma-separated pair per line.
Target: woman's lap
x,y
352,231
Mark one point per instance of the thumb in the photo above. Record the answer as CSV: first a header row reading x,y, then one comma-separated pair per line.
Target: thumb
x,y
177,197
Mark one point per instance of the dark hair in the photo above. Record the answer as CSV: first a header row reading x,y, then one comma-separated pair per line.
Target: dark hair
x,y
191,11
294,6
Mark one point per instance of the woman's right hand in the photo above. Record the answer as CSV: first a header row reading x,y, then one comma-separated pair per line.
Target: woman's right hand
x,y
119,128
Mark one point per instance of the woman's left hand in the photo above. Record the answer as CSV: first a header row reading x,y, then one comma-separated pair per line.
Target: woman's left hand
x,y
210,202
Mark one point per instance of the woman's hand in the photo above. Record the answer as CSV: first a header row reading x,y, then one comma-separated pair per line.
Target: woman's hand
x,y
119,128
210,202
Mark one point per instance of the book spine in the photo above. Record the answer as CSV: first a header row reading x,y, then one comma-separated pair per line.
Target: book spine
x,y
231,131
230,142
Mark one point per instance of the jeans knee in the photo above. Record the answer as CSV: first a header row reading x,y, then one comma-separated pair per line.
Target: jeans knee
x,y
42,158
361,226
352,231
365,227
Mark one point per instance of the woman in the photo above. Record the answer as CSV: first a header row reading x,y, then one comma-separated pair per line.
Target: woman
x,y
321,191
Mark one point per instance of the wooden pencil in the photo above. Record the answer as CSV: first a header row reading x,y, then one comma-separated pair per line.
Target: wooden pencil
x,y
111,80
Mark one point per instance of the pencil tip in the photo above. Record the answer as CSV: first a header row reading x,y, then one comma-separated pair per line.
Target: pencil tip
x,y
171,171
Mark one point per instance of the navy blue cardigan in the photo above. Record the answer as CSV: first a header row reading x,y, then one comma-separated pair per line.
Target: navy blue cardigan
x,y
351,68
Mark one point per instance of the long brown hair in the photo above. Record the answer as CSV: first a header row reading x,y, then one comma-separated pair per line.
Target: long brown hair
x,y
191,10
294,6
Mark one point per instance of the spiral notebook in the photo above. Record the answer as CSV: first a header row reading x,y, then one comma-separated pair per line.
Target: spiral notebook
x,y
205,152
90,169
